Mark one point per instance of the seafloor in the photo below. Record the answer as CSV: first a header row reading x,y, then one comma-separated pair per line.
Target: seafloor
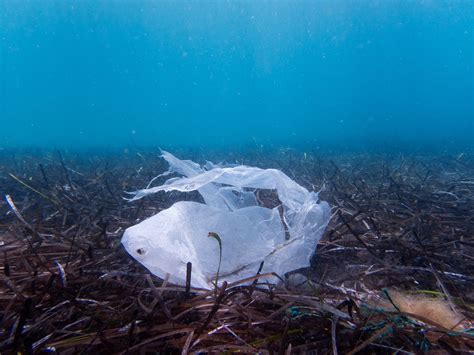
x,y
401,223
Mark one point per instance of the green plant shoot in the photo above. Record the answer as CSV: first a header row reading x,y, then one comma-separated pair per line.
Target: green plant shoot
x,y
216,237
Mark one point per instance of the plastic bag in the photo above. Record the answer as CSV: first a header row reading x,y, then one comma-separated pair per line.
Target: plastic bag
x,y
284,237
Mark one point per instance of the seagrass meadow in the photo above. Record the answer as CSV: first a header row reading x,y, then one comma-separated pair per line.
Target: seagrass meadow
x,y
393,273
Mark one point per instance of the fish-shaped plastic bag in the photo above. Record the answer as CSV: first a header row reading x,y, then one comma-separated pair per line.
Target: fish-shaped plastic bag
x,y
283,237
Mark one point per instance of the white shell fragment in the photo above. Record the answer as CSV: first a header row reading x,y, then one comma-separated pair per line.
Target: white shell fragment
x,y
249,233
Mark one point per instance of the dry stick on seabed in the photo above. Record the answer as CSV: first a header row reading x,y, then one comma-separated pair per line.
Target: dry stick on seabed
x,y
17,213
66,172
435,272
158,295
254,283
54,202
45,178
213,311
335,318
349,228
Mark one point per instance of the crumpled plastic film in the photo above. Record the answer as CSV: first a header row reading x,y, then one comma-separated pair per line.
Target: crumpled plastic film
x,y
284,237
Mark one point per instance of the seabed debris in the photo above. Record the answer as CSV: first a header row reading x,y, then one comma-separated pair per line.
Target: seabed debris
x,y
400,241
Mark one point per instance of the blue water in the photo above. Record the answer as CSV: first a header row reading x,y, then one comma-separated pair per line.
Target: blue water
x,y
228,73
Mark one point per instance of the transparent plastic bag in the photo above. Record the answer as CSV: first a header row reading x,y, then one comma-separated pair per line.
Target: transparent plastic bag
x,y
284,237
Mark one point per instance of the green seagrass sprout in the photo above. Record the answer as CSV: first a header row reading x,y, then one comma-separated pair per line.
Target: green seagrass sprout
x,y
216,237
